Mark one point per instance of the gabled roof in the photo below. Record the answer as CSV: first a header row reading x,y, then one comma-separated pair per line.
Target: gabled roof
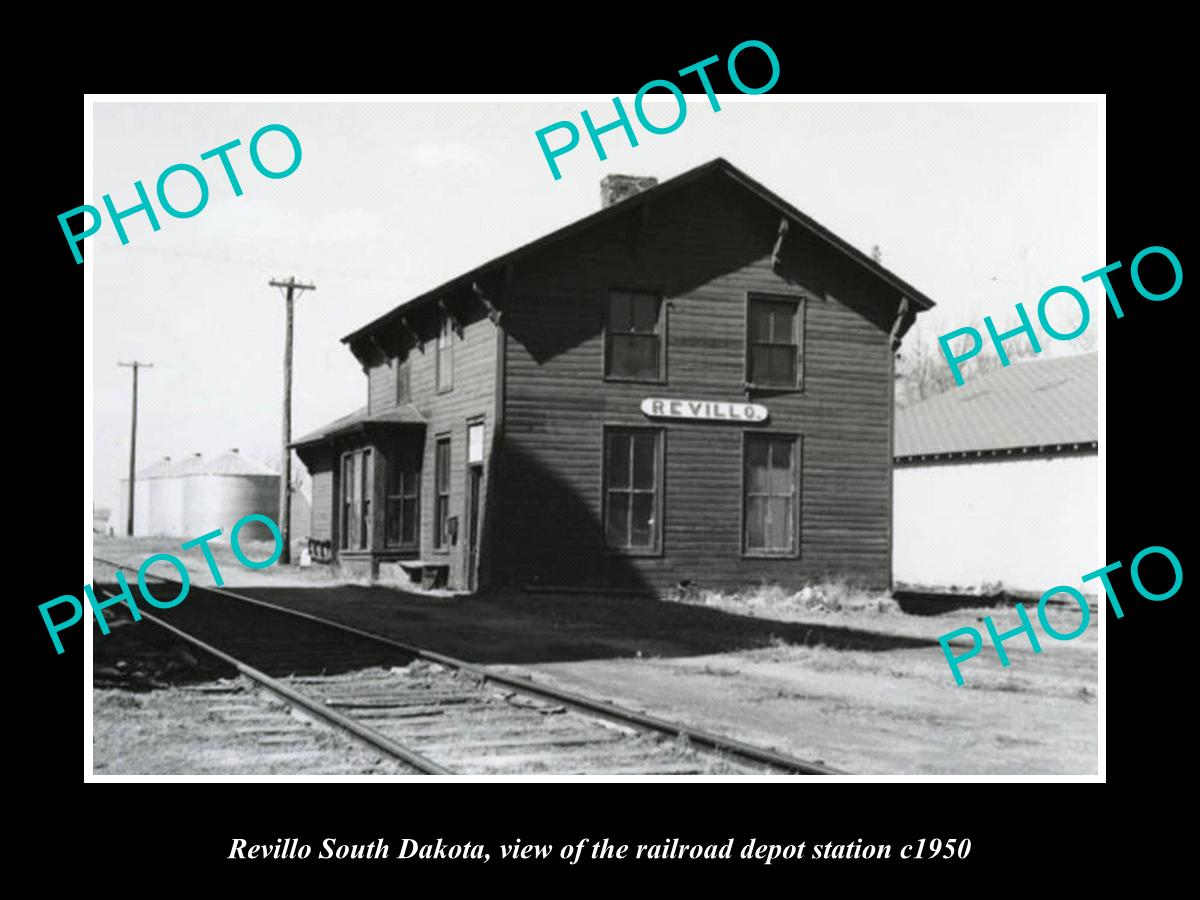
x,y
719,164
403,415
1046,404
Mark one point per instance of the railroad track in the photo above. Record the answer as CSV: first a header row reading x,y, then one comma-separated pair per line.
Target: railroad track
x,y
440,715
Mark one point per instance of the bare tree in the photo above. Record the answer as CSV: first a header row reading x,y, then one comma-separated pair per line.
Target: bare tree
x,y
922,370
1088,341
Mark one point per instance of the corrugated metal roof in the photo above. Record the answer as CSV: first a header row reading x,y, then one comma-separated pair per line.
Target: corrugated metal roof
x,y
189,465
155,469
233,463
229,463
1031,403
404,414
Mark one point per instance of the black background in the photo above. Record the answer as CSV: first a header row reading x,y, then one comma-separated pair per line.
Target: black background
x,y
183,830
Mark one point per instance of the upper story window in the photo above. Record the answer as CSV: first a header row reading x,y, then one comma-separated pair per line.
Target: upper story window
x,y
634,336
444,357
403,380
774,337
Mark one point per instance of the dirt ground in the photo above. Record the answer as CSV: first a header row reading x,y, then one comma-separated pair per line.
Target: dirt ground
x,y
133,550
895,712
866,690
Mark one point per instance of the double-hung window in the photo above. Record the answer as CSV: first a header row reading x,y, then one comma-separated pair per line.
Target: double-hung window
x,y
774,339
444,356
634,333
633,462
358,487
402,498
403,380
770,484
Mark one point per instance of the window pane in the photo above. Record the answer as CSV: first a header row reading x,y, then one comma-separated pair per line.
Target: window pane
x,y
757,450
756,511
783,365
645,313
620,312
782,316
644,460
634,356
391,473
443,466
778,532
439,522
617,531
643,521
617,469
391,525
760,369
408,519
781,468
760,323
402,381
475,443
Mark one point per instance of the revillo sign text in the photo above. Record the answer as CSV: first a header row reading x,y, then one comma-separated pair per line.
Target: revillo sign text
x,y
704,409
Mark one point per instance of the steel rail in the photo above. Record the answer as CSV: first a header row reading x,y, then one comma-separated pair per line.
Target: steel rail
x,y
699,737
360,731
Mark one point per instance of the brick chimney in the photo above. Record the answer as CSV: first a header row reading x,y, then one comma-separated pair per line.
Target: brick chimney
x,y
615,188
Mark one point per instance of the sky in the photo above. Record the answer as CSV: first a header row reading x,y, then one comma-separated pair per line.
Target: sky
x,y
979,205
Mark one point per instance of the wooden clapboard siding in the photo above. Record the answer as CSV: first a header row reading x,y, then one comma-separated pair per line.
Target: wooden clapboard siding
x,y
447,414
705,246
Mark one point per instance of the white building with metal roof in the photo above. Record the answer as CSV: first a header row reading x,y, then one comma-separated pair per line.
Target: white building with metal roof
x,y
998,480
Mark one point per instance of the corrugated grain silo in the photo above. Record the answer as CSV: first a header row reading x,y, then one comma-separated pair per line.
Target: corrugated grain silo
x,y
142,491
226,488
168,496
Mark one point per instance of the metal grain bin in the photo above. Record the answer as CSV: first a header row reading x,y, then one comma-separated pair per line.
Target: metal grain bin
x,y
168,496
226,488
142,519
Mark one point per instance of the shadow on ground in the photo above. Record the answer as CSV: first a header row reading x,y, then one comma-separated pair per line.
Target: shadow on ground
x,y
515,627
935,603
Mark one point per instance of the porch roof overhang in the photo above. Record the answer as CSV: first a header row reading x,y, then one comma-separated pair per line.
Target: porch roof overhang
x,y
402,418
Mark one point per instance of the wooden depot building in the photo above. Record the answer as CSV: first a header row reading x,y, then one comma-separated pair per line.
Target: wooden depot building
x,y
692,384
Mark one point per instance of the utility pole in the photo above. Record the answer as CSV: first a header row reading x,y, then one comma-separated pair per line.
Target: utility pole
x,y
135,365
293,290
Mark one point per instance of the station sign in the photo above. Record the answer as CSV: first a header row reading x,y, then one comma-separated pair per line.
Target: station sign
x,y
716,410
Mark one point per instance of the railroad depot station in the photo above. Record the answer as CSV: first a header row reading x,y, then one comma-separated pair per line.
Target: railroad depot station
x,y
694,383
